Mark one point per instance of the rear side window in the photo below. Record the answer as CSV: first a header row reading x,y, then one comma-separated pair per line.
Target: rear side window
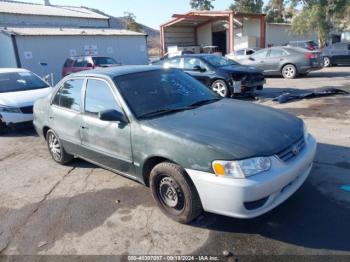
x,y
68,63
68,96
173,63
99,97
239,52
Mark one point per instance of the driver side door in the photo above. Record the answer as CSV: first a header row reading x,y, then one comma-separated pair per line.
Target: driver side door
x,y
258,59
105,142
191,65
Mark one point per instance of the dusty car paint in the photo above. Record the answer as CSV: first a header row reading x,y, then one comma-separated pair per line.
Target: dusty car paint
x,y
226,129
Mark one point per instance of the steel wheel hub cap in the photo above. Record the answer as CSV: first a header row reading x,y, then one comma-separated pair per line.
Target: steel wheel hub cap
x,y
169,191
55,147
220,89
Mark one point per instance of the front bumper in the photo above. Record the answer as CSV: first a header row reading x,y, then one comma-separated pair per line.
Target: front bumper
x,y
227,196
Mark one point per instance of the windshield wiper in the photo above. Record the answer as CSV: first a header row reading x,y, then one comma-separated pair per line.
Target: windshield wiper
x,y
204,102
163,111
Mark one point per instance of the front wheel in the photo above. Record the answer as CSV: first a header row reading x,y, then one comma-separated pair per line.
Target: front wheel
x,y
289,71
326,61
174,192
56,149
220,87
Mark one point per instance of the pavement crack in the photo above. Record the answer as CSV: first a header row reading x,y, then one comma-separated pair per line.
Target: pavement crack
x,y
11,155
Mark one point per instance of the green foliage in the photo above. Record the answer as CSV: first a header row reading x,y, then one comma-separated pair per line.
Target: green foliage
x,y
202,4
320,16
275,11
248,6
131,23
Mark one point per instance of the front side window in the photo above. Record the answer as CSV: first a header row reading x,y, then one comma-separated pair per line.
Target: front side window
x,y
20,81
68,96
191,62
239,52
161,91
259,54
99,97
277,53
173,63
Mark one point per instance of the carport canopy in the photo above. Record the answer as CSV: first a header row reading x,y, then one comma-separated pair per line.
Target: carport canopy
x,y
196,19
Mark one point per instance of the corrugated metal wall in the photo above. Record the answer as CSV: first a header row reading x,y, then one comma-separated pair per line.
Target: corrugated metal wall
x,y
55,49
7,54
180,36
49,21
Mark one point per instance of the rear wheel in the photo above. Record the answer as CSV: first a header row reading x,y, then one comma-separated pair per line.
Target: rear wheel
x,y
220,87
56,149
289,71
326,62
174,192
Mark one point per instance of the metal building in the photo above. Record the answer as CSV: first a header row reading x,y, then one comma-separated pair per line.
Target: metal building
x,y
32,35
28,47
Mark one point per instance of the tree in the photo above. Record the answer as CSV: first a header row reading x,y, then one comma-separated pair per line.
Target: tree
x,y
275,11
319,16
131,24
248,6
202,4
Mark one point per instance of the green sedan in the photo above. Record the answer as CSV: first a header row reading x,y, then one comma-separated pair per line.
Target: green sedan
x,y
195,150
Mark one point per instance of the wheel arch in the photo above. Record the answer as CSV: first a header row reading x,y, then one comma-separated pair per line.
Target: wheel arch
x,y
45,129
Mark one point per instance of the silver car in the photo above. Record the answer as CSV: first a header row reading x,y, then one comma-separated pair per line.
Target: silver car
x,y
286,61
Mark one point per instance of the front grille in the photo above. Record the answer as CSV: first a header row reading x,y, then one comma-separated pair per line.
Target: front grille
x,y
27,109
292,151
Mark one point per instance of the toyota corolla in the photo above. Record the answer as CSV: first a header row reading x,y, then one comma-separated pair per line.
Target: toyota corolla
x,y
195,150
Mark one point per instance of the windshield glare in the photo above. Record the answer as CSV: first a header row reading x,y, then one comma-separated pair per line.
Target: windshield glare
x,y
20,81
219,61
152,91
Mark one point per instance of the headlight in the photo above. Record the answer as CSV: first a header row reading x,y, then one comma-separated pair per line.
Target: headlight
x,y
9,109
241,168
306,133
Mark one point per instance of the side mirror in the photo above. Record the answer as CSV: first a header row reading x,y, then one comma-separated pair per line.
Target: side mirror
x,y
112,116
251,58
198,68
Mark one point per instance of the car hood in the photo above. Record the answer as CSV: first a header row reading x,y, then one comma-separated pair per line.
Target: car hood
x,y
236,128
240,69
23,98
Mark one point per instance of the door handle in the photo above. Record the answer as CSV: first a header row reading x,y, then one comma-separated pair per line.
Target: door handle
x,y
84,127
51,117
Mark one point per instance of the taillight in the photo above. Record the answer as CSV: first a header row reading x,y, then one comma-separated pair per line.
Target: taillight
x,y
310,56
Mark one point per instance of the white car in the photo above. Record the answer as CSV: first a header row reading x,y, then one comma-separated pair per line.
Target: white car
x,y
19,89
240,54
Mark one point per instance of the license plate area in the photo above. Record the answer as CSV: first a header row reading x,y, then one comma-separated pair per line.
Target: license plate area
x,y
237,87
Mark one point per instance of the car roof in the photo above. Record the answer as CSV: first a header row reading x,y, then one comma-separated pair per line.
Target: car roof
x,y
13,70
117,71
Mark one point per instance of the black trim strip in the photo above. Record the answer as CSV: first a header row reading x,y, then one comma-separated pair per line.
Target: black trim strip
x,y
15,48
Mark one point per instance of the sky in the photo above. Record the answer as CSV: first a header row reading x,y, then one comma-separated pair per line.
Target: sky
x,y
148,12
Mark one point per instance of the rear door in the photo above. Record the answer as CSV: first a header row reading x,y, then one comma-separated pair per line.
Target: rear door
x,y
275,58
105,142
65,116
339,53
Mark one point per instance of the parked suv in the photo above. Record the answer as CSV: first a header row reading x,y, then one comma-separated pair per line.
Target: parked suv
x,y
338,53
307,44
80,63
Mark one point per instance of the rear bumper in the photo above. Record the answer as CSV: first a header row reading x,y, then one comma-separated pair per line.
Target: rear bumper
x,y
15,118
263,192
305,69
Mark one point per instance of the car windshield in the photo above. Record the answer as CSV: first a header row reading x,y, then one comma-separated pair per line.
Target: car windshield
x,y
104,61
160,91
219,61
20,81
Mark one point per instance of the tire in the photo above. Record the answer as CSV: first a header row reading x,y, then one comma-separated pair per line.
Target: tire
x,y
175,193
220,87
289,71
56,149
327,62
